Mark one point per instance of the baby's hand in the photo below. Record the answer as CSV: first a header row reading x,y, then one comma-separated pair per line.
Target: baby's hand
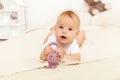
x,y
60,52
47,50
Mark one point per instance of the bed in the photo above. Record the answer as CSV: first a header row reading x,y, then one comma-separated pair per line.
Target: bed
x,y
100,53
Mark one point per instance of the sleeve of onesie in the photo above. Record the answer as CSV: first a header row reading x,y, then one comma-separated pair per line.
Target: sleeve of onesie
x,y
73,48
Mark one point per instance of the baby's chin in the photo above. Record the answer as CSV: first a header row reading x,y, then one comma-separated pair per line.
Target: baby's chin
x,y
63,42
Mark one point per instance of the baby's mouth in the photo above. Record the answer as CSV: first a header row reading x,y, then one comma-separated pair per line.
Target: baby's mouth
x,y
63,37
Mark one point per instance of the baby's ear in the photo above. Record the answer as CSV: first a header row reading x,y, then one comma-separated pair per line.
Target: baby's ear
x,y
77,32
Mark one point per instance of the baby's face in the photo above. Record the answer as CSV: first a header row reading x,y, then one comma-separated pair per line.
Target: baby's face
x,y
66,30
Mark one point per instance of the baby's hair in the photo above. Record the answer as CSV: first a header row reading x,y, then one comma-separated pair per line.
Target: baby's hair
x,y
71,14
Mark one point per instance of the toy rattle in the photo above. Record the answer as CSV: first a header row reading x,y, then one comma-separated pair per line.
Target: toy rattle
x,y
53,58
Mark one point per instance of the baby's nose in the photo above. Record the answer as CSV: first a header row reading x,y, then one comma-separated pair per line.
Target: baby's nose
x,y
64,31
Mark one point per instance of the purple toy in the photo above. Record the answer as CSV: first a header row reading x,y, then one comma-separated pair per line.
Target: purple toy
x,y
53,58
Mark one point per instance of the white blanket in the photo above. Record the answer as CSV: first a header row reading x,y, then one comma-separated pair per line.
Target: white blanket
x,y
22,53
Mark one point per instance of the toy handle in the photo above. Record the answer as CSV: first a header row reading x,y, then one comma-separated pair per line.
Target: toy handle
x,y
53,45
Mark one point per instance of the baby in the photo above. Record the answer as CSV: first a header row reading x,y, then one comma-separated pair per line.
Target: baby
x,y
67,34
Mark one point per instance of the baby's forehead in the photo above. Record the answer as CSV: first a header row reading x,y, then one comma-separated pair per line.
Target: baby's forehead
x,y
74,20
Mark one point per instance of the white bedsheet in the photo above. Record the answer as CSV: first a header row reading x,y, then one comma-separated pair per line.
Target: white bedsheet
x,y
22,53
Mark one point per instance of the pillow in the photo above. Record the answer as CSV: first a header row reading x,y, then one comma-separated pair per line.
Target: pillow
x,y
107,18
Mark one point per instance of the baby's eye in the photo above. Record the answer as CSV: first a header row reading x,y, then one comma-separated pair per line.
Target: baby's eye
x,y
70,29
61,27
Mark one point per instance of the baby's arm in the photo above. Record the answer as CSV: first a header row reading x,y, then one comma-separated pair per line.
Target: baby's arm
x,y
49,34
72,57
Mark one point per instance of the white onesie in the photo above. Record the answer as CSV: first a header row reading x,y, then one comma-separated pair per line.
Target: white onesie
x,y
73,47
